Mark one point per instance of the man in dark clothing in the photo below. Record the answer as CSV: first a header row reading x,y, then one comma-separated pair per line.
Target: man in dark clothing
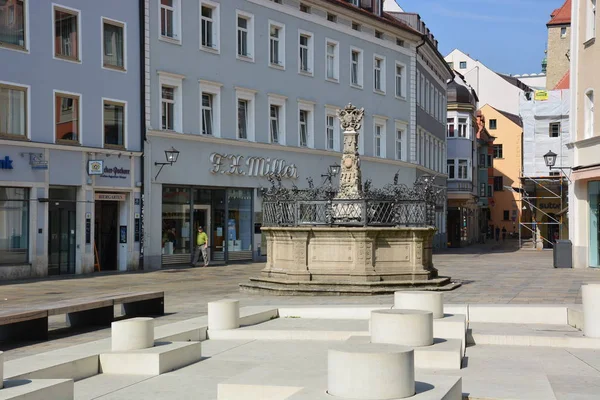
x,y
503,233
497,233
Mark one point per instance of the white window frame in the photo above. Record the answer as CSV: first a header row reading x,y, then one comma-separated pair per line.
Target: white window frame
x,y
379,121
418,91
331,111
431,98
336,60
563,29
124,26
216,26
590,28
27,110
360,68
310,51
213,88
280,44
422,91
309,108
403,127
177,34
79,59
403,80
249,35
280,101
426,97
175,81
465,125
382,74
589,101
56,92
25,48
250,96
468,177
453,161
125,117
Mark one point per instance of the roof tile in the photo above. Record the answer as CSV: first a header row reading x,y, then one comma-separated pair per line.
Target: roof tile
x,y
561,16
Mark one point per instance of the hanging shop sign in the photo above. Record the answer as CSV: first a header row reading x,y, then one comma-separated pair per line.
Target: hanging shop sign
x,y
115,173
6,163
95,167
231,164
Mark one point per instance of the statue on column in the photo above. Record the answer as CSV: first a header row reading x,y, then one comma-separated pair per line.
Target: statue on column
x,y
350,176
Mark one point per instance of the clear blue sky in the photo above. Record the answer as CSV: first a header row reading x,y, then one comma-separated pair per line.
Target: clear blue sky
x,y
508,36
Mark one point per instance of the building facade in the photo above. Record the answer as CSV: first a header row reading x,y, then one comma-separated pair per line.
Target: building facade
x,y
70,143
248,90
584,199
463,210
559,43
505,212
485,180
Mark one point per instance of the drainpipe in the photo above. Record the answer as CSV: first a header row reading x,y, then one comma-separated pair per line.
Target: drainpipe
x,y
417,94
142,48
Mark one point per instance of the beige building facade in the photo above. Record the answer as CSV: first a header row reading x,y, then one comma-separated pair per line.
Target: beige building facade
x,y
559,42
585,135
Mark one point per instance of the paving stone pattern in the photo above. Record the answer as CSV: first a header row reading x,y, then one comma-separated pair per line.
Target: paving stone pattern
x,y
494,273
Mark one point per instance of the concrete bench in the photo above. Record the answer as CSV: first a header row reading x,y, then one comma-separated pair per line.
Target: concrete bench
x,y
32,323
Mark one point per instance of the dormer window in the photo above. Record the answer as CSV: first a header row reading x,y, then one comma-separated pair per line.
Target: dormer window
x,y
355,2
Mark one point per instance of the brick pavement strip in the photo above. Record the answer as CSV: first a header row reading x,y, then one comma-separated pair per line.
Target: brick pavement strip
x,y
490,274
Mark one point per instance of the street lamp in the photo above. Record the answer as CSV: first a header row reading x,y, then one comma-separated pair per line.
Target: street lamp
x,y
332,172
550,160
171,155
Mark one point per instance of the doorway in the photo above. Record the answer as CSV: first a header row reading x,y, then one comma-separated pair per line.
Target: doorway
x,y
106,233
454,227
201,218
61,231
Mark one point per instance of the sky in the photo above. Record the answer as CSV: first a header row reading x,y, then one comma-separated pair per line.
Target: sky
x,y
508,36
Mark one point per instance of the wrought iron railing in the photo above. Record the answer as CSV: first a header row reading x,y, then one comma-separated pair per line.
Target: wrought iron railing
x,y
337,212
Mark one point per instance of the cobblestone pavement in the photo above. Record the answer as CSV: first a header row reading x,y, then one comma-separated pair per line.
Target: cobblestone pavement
x,y
493,273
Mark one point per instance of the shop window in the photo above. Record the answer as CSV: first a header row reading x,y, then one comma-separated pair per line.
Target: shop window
x,y
594,243
176,221
14,225
239,222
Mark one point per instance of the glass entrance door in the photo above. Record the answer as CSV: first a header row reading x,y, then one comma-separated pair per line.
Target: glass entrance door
x,y
201,218
594,244
61,238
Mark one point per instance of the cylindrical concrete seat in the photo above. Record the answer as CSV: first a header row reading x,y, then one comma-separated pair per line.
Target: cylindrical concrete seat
x,y
223,314
132,334
590,295
402,327
371,371
428,301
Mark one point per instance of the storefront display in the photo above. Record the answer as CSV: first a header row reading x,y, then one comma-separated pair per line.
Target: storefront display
x,y
594,201
14,225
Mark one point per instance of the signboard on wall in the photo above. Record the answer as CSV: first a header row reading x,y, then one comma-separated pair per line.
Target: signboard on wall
x,y
95,167
232,164
111,196
541,95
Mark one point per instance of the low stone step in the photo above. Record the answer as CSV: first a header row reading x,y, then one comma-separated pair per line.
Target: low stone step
x,y
37,389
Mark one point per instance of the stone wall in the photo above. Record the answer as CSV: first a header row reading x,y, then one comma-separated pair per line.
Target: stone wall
x,y
558,63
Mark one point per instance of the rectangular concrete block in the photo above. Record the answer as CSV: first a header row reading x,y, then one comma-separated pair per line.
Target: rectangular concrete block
x,y
331,312
179,332
575,316
46,389
251,334
157,360
444,354
451,327
257,315
518,314
233,391
55,366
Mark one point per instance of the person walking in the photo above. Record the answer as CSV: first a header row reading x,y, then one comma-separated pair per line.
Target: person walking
x,y
201,247
503,233
497,233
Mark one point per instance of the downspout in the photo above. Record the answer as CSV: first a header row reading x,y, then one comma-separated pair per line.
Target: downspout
x,y
417,94
142,48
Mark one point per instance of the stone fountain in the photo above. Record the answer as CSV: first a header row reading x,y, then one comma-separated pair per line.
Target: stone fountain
x,y
353,240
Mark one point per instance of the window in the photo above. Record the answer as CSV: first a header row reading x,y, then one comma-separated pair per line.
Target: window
x,y
305,125
114,123
482,160
14,220
207,114
378,139
554,173
12,27
489,161
463,65
498,183
400,76
303,128
304,8
426,96
506,215
379,74
305,57
356,71
168,107
356,26
451,166
589,114
209,25
462,127
422,91
170,101
379,35
563,32
490,191
399,138
418,88
591,19
67,112
399,42
245,35
245,113
331,17
330,131
431,99
13,110
66,33
463,169
332,64
113,44
355,2
170,18
554,129
498,151
450,122
493,124
277,118
276,44
482,189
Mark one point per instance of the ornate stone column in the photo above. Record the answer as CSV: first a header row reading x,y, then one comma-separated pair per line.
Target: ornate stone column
x,y
350,176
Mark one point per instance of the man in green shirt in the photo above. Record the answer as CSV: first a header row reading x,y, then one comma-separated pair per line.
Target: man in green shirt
x,y
201,246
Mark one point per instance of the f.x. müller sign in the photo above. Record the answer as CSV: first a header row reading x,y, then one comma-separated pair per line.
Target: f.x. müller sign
x,y
231,164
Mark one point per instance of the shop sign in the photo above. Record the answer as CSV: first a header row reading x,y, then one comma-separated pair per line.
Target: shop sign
x,y
111,196
550,206
6,163
541,95
231,164
95,167
115,172
36,160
